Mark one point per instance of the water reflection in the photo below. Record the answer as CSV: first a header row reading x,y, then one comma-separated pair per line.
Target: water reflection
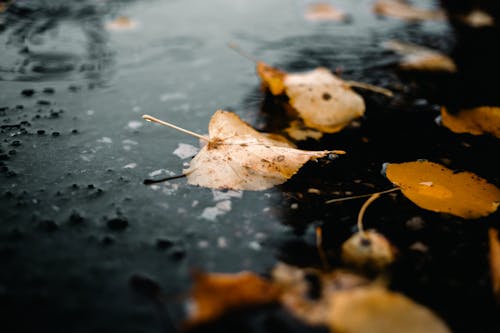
x,y
49,40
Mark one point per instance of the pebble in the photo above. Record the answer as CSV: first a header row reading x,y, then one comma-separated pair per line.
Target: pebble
x,y
28,92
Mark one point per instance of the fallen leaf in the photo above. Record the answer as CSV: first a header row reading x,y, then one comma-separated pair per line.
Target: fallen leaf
x,y
495,261
434,187
122,23
349,303
419,58
475,121
214,294
297,289
322,100
377,310
323,11
477,19
405,11
238,157
297,131
368,250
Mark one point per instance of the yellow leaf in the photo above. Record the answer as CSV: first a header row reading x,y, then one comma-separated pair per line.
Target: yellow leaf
x,y
434,187
476,121
271,77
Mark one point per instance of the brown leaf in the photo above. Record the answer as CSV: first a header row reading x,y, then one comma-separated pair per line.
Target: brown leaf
x,y
322,100
475,121
240,158
419,58
214,294
495,261
405,11
323,11
434,187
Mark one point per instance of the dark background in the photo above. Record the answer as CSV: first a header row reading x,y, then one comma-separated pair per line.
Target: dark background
x,y
86,247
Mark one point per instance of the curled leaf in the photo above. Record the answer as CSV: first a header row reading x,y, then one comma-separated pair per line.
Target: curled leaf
x,y
322,100
377,310
214,294
475,121
323,11
419,58
368,250
434,187
405,11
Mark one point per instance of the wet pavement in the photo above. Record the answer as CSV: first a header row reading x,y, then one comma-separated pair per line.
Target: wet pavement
x,y
81,236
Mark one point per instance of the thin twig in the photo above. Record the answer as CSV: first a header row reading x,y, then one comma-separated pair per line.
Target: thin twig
x,y
361,196
235,47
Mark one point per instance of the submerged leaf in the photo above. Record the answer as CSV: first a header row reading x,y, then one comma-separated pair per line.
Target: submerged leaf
x,y
214,294
322,100
476,121
323,11
405,11
419,58
377,310
434,187
240,158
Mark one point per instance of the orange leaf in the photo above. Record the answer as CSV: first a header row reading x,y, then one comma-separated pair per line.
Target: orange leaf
x,y
214,294
476,121
323,11
434,187
405,11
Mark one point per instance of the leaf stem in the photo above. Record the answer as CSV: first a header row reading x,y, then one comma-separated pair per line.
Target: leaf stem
x,y
180,129
371,87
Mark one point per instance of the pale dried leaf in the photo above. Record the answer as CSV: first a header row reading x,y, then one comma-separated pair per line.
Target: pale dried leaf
x,y
240,158
420,58
377,310
322,100
405,11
